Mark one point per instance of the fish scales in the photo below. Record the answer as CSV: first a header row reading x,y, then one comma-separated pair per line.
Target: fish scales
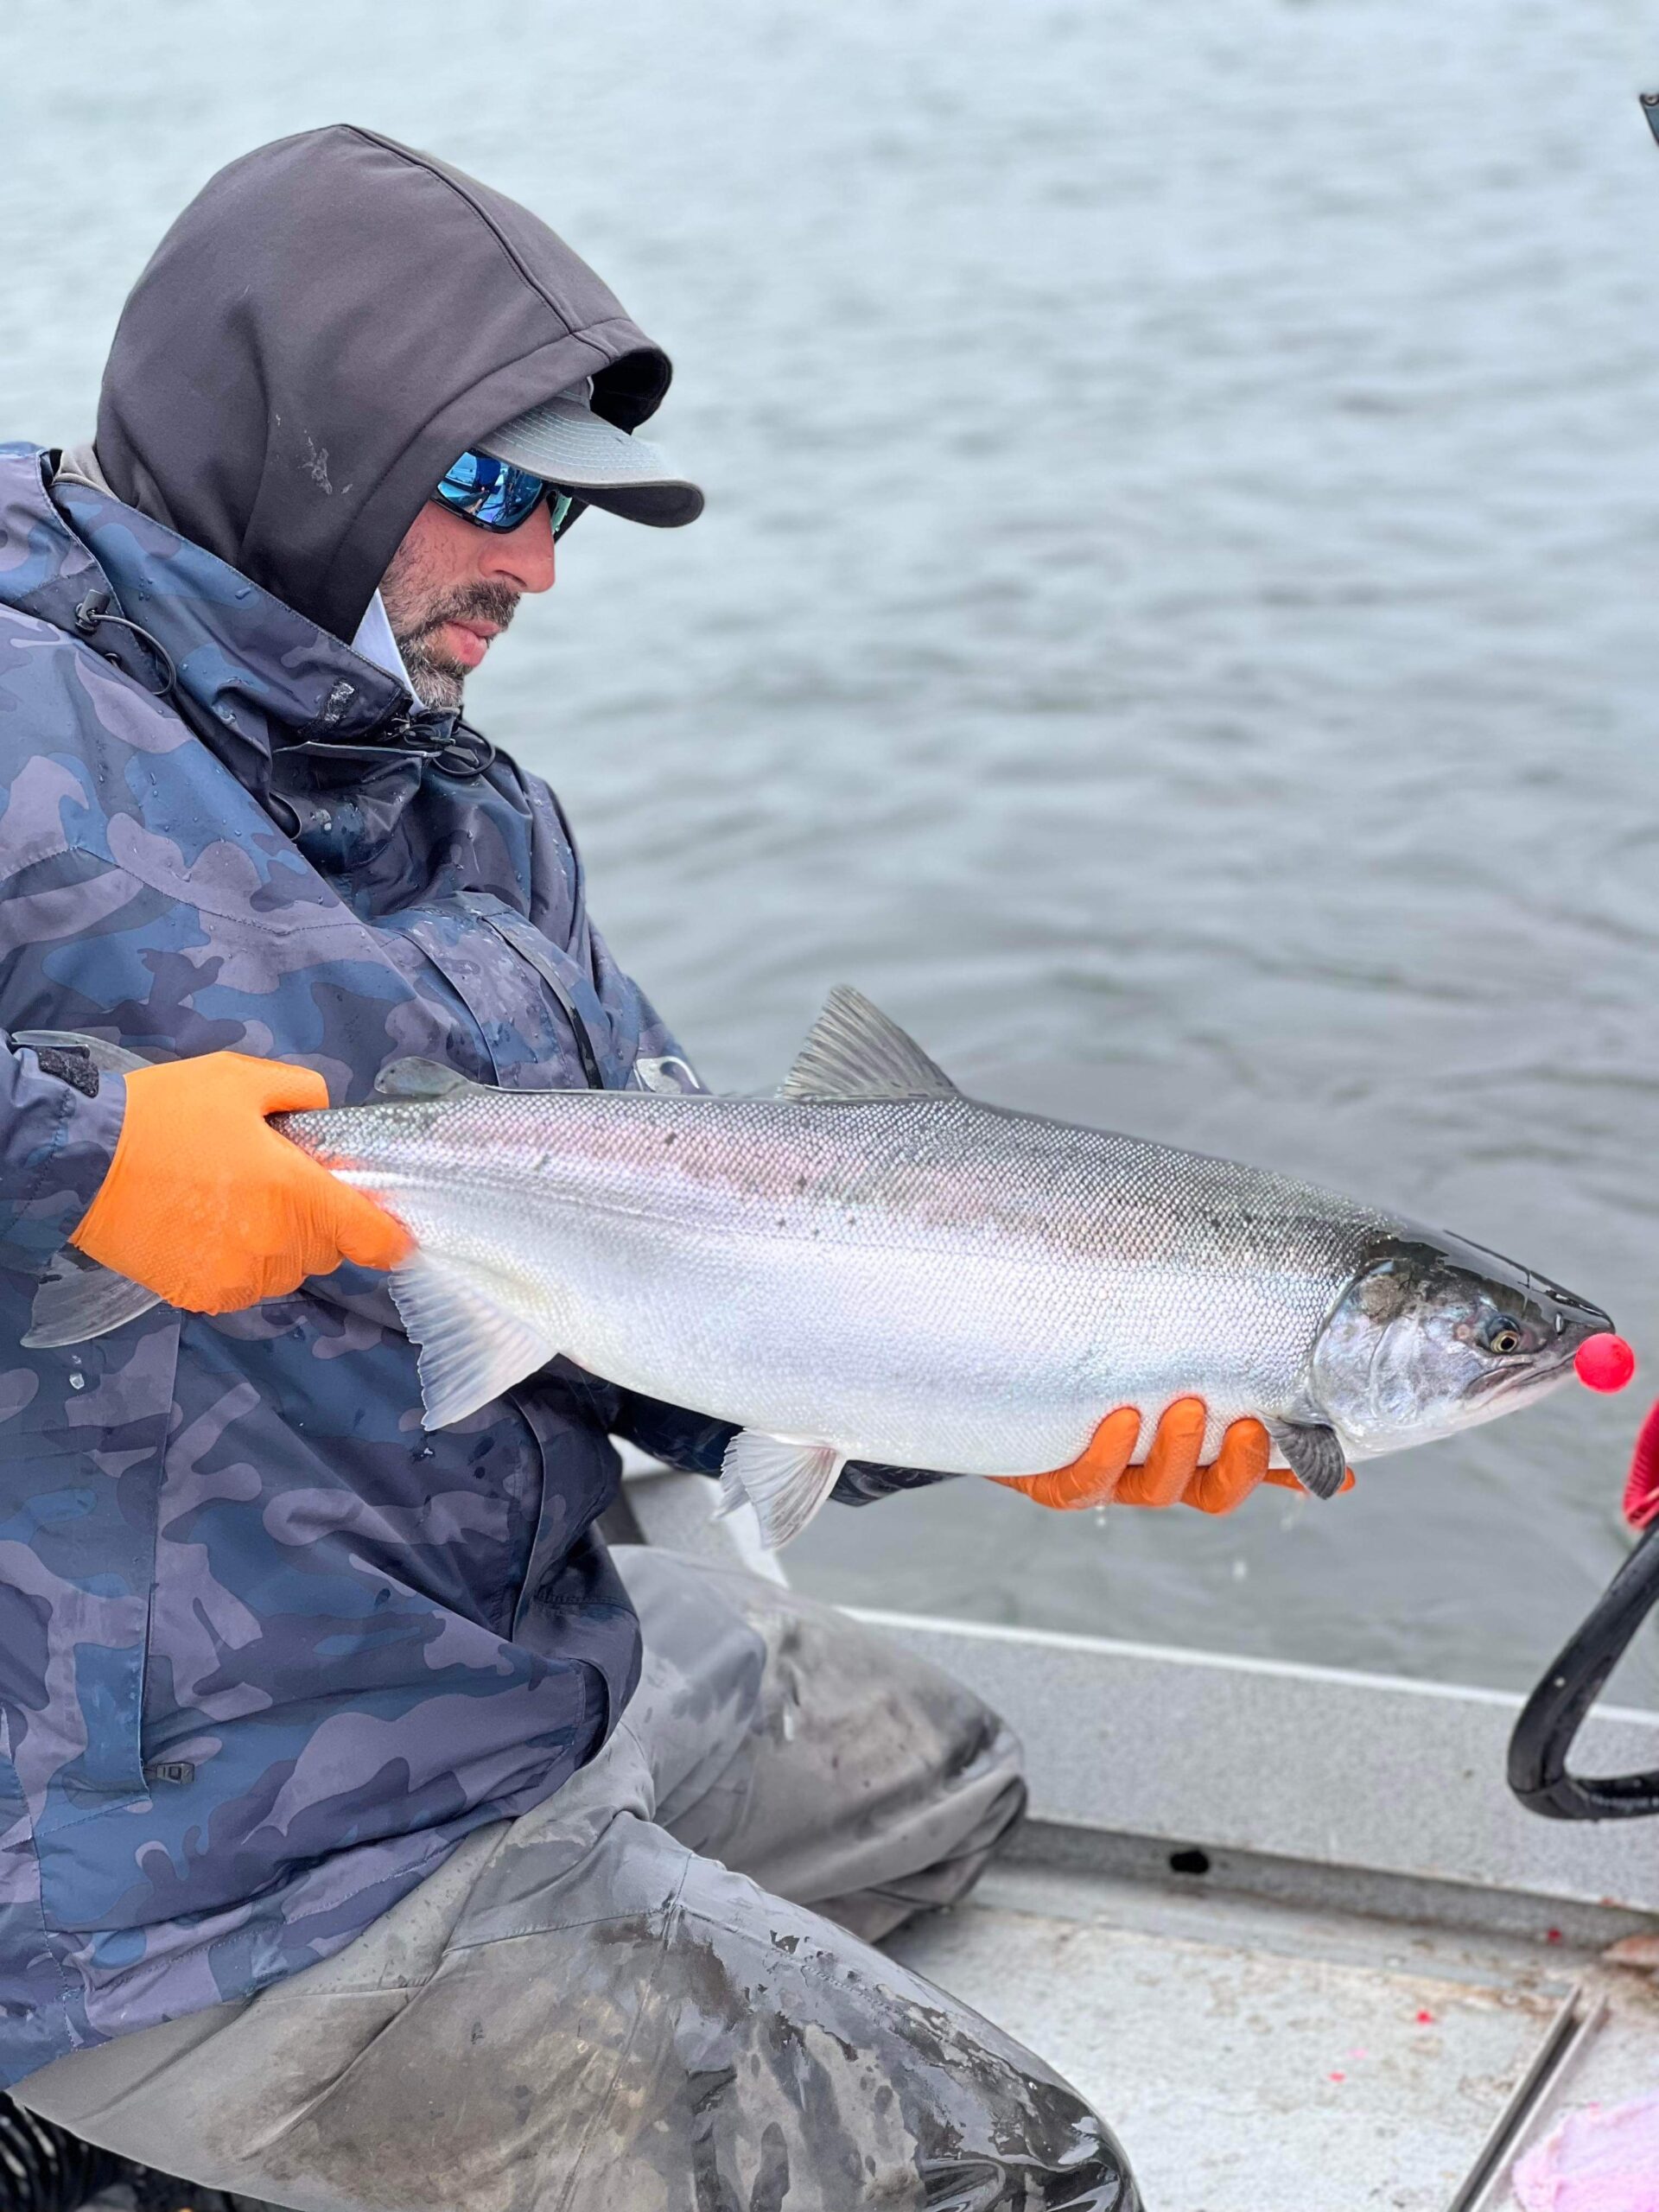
x,y
872,1266
985,1284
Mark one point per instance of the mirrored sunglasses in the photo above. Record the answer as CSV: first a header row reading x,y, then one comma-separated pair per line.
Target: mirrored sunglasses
x,y
497,496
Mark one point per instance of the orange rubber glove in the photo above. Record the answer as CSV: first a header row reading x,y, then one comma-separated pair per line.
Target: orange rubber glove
x,y
1170,1475
205,1203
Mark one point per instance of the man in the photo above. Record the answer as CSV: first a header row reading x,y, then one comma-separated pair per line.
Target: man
x,y
350,1859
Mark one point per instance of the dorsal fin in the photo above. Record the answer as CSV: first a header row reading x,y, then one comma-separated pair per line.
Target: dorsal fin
x,y
414,1077
852,1051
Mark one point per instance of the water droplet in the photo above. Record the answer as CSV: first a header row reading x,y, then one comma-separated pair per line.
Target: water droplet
x,y
77,1382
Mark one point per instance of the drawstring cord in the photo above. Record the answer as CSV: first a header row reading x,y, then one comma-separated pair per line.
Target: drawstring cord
x,y
95,610
459,750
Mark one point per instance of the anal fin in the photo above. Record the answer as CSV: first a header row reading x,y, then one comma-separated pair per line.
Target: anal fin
x,y
785,1480
473,1345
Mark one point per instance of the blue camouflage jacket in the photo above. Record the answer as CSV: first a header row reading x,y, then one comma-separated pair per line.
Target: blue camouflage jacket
x,y
267,1649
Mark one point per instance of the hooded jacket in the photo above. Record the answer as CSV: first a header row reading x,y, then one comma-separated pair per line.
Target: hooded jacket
x,y
267,1649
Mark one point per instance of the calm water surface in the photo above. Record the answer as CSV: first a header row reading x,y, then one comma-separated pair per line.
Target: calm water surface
x,y
1174,623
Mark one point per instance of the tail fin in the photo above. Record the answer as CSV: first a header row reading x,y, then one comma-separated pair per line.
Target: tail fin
x,y
112,1059
77,1300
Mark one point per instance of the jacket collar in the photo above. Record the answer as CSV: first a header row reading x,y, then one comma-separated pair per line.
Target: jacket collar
x,y
293,712
248,663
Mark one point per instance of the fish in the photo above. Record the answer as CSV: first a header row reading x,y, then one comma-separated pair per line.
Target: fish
x,y
869,1265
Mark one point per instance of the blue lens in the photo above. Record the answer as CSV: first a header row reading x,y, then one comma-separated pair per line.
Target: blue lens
x,y
491,493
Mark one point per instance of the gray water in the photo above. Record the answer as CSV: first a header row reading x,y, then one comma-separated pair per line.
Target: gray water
x,y
1174,623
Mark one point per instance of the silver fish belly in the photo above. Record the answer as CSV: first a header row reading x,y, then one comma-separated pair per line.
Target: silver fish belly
x,y
923,1281
872,1266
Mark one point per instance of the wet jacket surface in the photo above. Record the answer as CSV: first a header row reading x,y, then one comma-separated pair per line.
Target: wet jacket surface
x,y
267,1649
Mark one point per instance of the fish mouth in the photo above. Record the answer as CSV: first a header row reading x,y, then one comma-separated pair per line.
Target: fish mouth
x,y
1576,1320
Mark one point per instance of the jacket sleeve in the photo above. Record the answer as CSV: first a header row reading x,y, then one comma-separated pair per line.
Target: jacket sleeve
x,y
695,1444
59,1123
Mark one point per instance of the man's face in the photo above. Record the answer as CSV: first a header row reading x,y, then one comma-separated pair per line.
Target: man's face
x,y
453,587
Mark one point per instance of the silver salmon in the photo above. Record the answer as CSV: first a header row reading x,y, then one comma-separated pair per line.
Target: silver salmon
x,y
872,1266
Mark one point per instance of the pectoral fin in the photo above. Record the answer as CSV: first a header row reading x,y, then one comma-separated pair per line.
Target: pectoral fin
x,y
1314,1455
473,1345
785,1479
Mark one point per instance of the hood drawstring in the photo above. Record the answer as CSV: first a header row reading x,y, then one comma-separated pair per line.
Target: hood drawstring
x,y
96,609
427,733
452,747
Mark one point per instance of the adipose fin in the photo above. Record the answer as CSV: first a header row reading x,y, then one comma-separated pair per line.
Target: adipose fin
x,y
414,1077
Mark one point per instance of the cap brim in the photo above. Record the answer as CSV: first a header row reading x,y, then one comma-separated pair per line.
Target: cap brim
x,y
570,446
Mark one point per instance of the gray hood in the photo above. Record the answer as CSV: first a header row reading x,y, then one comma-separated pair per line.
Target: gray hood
x,y
329,322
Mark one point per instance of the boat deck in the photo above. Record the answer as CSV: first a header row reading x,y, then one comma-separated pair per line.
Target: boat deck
x,y
1339,1999
1256,2055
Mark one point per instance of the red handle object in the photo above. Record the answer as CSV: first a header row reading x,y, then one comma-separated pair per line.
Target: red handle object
x,y
1642,1489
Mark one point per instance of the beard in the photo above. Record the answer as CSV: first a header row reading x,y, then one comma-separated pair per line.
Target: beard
x,y
417,613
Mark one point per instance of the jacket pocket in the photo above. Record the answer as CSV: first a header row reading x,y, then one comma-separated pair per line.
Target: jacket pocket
x,y
542,1023
605,1057
81,1484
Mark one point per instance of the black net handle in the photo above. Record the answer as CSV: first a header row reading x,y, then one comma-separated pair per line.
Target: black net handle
x,y
1552,1715
44,2168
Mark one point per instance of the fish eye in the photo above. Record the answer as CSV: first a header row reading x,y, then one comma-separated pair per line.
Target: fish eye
x,y
1502,1333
